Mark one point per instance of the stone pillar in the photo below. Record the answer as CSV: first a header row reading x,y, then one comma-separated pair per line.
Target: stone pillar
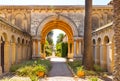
x,y
33,54
19,57
80,48
103,56
98,54
6,57
39,48
0,59
43,54
95,54
23,52
109,57
13,45
16,54
75,51
70,50
36,48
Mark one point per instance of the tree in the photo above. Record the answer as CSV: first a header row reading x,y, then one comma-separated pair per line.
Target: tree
x,y
87,57
49,37
60,37
116,27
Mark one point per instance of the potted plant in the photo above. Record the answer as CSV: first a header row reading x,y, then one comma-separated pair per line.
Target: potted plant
x,y
80,71
40,70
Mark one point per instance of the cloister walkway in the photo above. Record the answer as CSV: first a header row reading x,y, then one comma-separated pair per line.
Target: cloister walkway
x,y
59,68
60,71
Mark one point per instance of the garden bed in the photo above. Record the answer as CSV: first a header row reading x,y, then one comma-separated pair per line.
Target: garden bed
x,y
78,70
34,69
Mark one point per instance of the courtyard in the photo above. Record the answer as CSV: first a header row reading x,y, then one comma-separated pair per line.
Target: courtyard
x,y
65,42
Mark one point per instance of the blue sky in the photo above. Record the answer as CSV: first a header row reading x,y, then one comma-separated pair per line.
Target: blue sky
x,y
51,2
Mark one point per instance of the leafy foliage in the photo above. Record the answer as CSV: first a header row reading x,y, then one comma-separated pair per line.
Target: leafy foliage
x,y
75,64
49,37
48,49
62,49
30,68
98,68
93,79
60,37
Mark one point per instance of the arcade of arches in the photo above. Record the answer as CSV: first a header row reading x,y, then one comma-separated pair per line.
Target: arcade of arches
x,y
23,28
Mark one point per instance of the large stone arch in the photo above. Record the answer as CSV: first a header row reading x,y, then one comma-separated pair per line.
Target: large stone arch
x,y
59,17
58,24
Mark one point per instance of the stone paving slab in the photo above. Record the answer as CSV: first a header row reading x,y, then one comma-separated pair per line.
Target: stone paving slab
x,y
59,68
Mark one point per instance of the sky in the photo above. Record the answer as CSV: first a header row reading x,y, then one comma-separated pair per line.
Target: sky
x,y
56,32
51,2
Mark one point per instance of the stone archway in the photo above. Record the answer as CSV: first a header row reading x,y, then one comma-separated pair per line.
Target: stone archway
x,y
58,24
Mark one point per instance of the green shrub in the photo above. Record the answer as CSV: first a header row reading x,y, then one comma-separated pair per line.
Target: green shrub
x,y
39,68
15,67
24,71
91,73
98,68
58,54
30,68
75,64
64,49
93,79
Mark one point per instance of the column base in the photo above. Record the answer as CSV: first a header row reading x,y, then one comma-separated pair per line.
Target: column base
x,y
109,68
38,56
6,68
70,55
103,65
0,70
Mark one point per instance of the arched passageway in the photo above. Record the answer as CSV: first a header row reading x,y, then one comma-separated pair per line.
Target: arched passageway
x,y
74,42
57,24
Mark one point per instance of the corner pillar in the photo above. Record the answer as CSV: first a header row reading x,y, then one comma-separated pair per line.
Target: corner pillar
x,y
6,57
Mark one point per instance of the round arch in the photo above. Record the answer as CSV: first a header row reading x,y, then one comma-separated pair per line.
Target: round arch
x,y
58,24
60,18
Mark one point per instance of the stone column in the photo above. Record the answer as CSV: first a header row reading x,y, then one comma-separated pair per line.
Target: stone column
x,y
68,50
33,54
0,59
109,57
95,54
6,57
36,48
75,51
19,52
13,45
23,52
16,54
103,56
80,48
39,48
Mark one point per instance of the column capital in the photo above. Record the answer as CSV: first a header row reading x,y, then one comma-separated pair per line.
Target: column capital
x,y
36,38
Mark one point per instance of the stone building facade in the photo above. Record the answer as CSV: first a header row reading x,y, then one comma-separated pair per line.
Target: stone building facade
x,y
25,27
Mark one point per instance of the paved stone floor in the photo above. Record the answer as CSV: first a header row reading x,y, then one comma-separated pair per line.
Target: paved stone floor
x,y
59,68
60,71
